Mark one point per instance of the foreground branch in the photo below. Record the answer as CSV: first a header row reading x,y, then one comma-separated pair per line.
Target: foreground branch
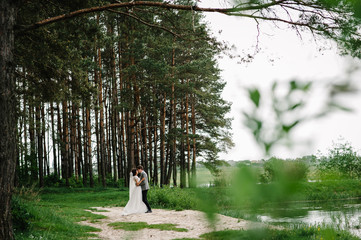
x,y
124,5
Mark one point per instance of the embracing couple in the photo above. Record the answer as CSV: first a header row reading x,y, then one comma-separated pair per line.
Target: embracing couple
x,y
138,190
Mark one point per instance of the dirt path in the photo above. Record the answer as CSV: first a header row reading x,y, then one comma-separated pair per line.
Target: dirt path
x,y
194,221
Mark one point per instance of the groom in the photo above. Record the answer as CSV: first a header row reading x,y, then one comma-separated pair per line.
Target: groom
x,y
145,186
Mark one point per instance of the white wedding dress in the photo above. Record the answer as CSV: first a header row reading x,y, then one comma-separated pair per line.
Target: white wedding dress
x,y
135,203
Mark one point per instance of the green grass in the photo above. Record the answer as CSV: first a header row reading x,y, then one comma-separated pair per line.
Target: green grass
x,y
299,233
56,211
135,226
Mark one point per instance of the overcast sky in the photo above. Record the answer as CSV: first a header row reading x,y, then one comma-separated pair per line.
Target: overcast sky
x,y
283,56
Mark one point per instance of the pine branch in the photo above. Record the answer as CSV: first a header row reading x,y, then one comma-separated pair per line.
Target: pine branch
x,y
122,5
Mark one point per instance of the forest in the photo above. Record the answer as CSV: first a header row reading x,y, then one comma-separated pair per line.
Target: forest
x,y
91,89
127,93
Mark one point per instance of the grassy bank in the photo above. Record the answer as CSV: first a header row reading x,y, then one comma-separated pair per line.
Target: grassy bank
x,y
53,213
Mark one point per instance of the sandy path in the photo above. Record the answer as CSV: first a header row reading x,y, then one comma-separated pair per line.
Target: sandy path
x,y
194,221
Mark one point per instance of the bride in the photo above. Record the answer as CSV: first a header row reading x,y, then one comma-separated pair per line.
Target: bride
x,y
135,203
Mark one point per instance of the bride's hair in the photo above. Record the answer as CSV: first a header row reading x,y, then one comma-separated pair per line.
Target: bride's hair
x,y
134,171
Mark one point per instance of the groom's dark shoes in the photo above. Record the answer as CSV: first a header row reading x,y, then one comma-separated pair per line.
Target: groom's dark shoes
x,y
149,211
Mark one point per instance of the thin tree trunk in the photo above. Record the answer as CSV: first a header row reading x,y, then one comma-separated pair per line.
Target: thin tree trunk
x,y
173,119
73,161
144,140
187,138
85,145
131,141
120,119
155,139
174,145
124,147
65,163
136,144
97,132
89,160
40,146
79,151
55,165
108,163
46,163
101,124
194,140
162,140
33,165
113,111
182,149
60,142
26,170
150,130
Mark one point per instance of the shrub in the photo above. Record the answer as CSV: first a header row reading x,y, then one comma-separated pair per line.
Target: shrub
x,y
174,198
341,161
277,169
20,215
51,180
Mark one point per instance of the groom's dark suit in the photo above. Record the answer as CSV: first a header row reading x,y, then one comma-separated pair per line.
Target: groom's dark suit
x,y
145,187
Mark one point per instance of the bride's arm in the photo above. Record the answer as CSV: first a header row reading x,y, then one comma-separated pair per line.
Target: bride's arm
x,y
138,183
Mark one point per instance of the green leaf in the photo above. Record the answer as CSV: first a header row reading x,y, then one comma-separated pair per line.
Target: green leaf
x,y
287,128
255,96
293,107
334,105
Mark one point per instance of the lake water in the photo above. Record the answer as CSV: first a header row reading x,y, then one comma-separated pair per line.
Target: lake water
x,y
339,214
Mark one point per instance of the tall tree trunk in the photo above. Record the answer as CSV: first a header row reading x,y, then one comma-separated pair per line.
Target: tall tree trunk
x,y
40,146
131,139
101,140
79,151
33,165
136,155
113,107
155,140
85,144
182,148
144,140
65,158
101,123
162,140
108,163
26,169
187,138
7,116
120,122
60,142
73,161
55,165
46,162
194,140
133,113
174,145
89,161
97,133
150,159
173,126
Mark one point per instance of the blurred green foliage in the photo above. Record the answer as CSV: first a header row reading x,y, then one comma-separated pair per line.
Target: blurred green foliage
x,y
296,233
290,170
342,161
287,106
